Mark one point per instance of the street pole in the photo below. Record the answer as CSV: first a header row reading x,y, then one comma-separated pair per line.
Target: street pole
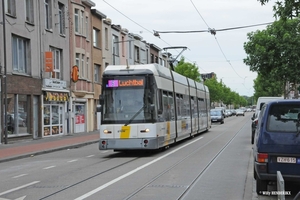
x,y
4,76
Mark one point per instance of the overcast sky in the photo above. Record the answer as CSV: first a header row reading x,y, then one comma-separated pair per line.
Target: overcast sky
x,y
222,54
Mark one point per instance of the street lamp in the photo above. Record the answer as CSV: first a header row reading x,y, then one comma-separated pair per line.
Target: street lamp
x,y
4,79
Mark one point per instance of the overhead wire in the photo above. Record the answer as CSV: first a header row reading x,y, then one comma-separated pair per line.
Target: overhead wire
x,y
213,32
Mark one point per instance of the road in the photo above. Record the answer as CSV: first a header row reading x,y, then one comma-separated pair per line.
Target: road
x,y
213,165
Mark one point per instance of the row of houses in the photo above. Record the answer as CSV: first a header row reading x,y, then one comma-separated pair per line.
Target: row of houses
x,y
52,55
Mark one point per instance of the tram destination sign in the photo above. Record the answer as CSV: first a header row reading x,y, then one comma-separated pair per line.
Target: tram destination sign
x,y
127,82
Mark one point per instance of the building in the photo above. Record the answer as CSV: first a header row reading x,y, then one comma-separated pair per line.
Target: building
x,y
97,59
82,91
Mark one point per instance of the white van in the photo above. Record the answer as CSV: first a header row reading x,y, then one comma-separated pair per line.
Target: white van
x,y
262,100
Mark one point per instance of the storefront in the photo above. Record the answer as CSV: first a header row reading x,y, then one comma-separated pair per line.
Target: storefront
x,y
55,109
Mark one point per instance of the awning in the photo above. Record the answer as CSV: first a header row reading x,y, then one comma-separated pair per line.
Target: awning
x,y
56,96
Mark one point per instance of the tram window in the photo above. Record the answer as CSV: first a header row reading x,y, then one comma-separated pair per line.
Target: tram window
x,y
186,106
178,103
159,102
192,106
171,106
166,109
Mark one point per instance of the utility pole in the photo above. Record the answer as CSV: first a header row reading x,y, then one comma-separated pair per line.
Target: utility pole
x,y
4,78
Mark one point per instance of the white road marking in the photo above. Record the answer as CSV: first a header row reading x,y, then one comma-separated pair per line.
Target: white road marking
x,y
132,172
20,198
18,188
49,167
90,156
104,151
73,160
19,175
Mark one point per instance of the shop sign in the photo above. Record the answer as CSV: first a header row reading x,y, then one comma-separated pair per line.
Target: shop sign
x,y
56,96
48,61
54,83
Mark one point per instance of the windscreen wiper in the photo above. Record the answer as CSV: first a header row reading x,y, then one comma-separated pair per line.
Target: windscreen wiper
x,y
136,114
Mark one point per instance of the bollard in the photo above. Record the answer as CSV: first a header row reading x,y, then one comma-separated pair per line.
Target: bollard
x,y
280,186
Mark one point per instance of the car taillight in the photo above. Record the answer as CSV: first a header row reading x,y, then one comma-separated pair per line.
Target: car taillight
x,y
262,157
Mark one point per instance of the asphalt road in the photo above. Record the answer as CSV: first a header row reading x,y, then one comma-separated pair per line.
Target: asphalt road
x,y
213,165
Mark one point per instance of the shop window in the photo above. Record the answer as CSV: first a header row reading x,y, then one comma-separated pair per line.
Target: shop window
x,y
17,114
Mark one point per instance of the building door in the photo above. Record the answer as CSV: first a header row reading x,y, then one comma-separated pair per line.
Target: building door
x,y
80,117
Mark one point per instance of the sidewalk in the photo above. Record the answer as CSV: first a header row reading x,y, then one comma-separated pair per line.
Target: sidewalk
x,y
29,147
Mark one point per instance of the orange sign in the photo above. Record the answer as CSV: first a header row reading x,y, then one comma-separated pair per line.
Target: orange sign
x,y
48,61
75,73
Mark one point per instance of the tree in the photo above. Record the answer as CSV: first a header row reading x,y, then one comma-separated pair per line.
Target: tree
x,y
188,69
268,86
215,89
275,51
285,9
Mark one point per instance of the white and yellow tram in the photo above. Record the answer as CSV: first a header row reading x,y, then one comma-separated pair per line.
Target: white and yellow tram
x,y
149,107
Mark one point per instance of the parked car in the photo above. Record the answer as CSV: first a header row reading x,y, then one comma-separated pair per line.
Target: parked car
x,y
217,115
240,112
277,143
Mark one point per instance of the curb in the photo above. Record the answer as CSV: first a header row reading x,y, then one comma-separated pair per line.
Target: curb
x,y
32,154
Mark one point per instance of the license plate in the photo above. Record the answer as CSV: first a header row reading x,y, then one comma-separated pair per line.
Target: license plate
x,y
286,160
214,120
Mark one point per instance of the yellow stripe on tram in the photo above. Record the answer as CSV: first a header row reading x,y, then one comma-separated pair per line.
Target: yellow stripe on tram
x,y
168,136
125,132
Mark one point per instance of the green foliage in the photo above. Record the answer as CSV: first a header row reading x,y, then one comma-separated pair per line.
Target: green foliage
x,y
267,86
187,69
275,51
218,91
284,9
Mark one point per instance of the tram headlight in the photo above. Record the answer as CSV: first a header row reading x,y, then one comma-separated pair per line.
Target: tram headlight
x,y
105,131
145,130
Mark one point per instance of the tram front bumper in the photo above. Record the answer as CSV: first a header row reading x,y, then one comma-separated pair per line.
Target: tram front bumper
x,y
130,144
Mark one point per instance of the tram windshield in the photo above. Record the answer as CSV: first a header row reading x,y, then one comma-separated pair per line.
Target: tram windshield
x,y
125,100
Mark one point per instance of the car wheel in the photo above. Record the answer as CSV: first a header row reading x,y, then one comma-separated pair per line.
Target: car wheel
x,y
222,122
261,185
254,173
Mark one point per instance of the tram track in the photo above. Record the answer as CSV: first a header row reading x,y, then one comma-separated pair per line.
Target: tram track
x,y
197,178
90,177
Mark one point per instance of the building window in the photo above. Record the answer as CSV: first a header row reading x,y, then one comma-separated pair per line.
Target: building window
x,y
87,68
57,60
76,15
130,49
87,27
61,18
29,11
77,61
20,54
96,38
123,46
115,45
97,73
82,67
48,14
106,38
81,22
11,7
136,54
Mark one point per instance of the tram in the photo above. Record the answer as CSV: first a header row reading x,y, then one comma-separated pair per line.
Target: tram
x,y
147,107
